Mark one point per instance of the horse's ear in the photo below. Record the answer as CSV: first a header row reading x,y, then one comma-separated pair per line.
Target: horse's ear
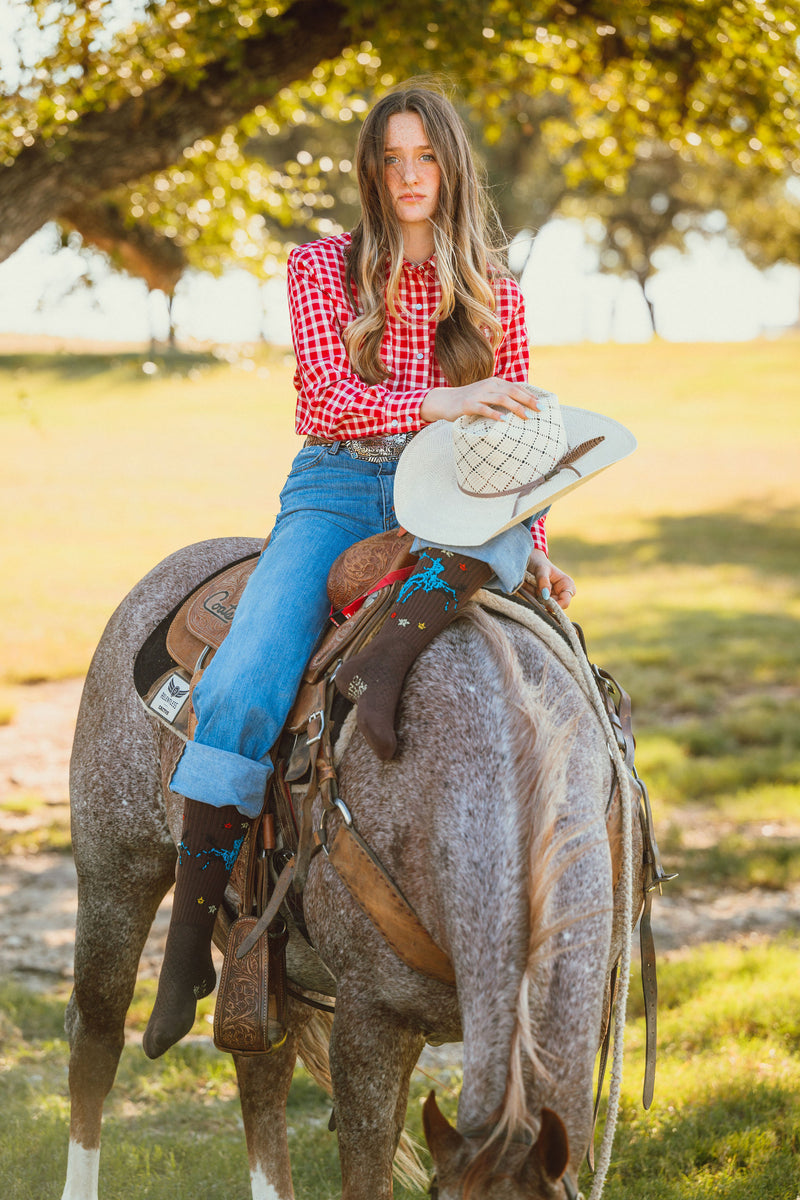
x,y
443,1140
552,1145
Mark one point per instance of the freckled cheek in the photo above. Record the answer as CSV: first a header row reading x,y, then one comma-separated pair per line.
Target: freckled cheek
x,y
392,179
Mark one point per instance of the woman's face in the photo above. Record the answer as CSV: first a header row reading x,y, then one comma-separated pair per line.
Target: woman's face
x,y
411,171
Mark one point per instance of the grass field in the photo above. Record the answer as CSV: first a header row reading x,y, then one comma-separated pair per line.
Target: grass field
x,y
724,1123
105,470
686,558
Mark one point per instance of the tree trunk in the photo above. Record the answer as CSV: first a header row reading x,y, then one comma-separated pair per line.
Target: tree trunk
x,y
642,278
144,134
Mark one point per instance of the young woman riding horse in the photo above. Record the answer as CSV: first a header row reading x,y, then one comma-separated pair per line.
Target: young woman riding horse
x,y
409,320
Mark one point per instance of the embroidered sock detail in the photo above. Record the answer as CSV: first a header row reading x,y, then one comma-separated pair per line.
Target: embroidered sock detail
x,y
209,846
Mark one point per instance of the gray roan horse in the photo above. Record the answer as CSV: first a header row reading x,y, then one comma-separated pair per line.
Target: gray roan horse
x,y
491,820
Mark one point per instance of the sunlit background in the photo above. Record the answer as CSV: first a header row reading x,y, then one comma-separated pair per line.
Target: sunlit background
x,y
711,293
650,153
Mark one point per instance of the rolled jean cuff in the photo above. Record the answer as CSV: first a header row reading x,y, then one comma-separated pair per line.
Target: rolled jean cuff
x,y
219,777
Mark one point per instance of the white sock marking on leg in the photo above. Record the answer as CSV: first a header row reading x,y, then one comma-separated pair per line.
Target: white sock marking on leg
x,y
82,1170
260,1186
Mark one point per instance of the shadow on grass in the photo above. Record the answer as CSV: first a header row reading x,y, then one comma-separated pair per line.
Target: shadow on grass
x,y
690,659
73,368
28,1015
181,1159
715,688
171,1132
738,862
704,539
726,1127
718,682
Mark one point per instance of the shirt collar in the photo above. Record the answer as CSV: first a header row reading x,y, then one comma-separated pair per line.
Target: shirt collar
x,y
428,267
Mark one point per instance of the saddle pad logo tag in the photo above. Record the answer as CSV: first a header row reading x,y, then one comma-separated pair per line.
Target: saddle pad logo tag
x,y
170,697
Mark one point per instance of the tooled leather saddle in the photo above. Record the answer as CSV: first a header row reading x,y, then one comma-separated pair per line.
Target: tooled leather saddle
x,y
171,660
362,587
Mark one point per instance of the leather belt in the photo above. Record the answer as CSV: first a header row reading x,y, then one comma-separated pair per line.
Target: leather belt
x,y
387,448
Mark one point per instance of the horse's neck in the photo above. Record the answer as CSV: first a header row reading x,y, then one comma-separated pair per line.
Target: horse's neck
x,y
517,850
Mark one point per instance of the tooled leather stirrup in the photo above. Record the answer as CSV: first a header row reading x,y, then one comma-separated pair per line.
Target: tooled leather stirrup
x,y
249,1017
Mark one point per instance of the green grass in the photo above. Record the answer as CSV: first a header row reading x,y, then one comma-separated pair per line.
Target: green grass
x,y
725,1121
108,470
700,621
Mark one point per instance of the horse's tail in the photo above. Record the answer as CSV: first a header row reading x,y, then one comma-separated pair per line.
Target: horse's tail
x,y
313,1050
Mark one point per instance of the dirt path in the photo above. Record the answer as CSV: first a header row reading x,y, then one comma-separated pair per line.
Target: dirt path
x,y
38,891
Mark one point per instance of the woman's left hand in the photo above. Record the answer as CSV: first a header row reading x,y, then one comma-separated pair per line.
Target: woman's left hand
x,y
550,580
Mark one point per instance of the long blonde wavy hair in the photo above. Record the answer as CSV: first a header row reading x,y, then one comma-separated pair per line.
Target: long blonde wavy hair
x,y
468,330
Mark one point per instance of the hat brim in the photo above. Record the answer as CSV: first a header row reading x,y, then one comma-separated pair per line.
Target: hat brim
x,y
429,503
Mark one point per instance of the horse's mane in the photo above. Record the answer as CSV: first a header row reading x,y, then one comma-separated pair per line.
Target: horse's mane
x,y
541,749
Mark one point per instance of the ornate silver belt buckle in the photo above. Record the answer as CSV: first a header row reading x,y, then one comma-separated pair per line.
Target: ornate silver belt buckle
x,y
379,449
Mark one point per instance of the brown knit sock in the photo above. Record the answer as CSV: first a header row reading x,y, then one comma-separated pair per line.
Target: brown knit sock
x,y
209,846
428,601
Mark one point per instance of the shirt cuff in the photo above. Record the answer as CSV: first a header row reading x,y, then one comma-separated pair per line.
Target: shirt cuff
x,y
405,417
539,536
400,414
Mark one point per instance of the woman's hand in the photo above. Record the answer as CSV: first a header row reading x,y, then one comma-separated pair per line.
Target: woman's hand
x,y
486,398
550,580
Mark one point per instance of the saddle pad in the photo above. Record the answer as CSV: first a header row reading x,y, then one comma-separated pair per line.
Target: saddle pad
x,y
162,680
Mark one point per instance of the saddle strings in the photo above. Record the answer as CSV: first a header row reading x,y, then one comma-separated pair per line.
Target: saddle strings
x,y
626,879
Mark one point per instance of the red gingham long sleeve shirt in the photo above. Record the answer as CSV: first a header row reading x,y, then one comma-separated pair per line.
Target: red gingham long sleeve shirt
x,y
332,401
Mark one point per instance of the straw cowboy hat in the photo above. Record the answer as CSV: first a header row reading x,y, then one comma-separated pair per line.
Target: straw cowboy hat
x,y
461,482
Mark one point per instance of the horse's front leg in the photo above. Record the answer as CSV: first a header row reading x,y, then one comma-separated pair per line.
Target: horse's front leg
x,y
264,1082
372,1057
116,907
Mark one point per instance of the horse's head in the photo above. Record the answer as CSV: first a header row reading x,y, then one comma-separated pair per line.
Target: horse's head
x,y
535,1172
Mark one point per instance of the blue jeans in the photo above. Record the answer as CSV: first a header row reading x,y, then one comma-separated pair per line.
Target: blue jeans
x,y
329,502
